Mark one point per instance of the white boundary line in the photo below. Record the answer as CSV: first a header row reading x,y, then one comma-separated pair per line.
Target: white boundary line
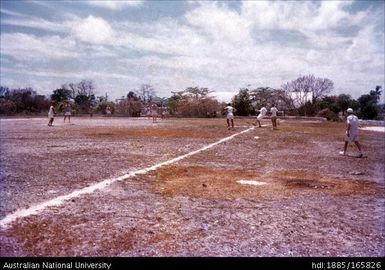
x,y
23,119
33,210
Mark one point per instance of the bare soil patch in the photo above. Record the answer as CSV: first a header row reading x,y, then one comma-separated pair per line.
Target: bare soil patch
x,y
214,183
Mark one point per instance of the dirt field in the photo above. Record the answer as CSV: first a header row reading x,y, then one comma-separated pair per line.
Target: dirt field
x,y
313,202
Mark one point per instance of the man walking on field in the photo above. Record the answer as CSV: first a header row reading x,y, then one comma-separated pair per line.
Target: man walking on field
x,y
351,132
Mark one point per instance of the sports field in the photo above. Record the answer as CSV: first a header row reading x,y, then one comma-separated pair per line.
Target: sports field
x,y
130,187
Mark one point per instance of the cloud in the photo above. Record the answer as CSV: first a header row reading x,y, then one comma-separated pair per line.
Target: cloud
x,y
10,12
219,22
116,4
92,30
31,22
24,47
85,74
36,23
302,16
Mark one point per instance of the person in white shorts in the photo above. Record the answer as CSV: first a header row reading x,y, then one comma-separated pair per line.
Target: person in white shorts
x,y
230,116
67,112
262,113
351,132
273,111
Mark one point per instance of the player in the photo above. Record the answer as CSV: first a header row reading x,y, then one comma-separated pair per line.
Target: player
x,y
230,116
273,111
51,113
262,113
351,132
67,112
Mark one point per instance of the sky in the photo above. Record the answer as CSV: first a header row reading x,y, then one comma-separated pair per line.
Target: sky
x,y
172,45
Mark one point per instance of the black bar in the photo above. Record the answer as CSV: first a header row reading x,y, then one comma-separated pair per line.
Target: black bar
x,y
116,263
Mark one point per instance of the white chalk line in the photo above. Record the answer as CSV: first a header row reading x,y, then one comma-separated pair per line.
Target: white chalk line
x,y
22,119
377,129
33,210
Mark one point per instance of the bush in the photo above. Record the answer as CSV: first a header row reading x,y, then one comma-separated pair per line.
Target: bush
x,y
368,111
329,115
7,107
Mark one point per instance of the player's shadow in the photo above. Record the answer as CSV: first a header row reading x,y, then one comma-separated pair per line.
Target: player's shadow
x,y
355,156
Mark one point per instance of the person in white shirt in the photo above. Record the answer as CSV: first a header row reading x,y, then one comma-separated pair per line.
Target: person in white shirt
x,y
351,132
51,113
262,113
273,111
230,116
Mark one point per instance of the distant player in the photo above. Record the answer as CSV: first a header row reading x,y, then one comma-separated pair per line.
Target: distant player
x,y
67,112
262,113
91,111
230,116
154,112
351,132
273,111
51,113
108,111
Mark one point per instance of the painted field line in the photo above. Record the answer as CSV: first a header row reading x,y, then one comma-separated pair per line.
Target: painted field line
x,y
33,210
22,119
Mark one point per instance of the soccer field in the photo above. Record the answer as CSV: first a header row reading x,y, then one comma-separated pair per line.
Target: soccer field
x,y
188,187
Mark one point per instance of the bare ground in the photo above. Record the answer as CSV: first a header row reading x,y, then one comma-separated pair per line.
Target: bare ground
x,y
314,202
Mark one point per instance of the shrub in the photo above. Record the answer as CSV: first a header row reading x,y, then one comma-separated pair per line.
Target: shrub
x,y
7,107
329,115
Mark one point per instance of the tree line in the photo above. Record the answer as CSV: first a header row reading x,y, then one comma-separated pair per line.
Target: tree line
x,y
308,96
305,96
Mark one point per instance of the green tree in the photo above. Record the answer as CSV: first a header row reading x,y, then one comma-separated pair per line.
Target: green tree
x,y
369,107
331,103
343,102
173,102
132,96
242,102
82,93
262,96
60,95
375,94
7,107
